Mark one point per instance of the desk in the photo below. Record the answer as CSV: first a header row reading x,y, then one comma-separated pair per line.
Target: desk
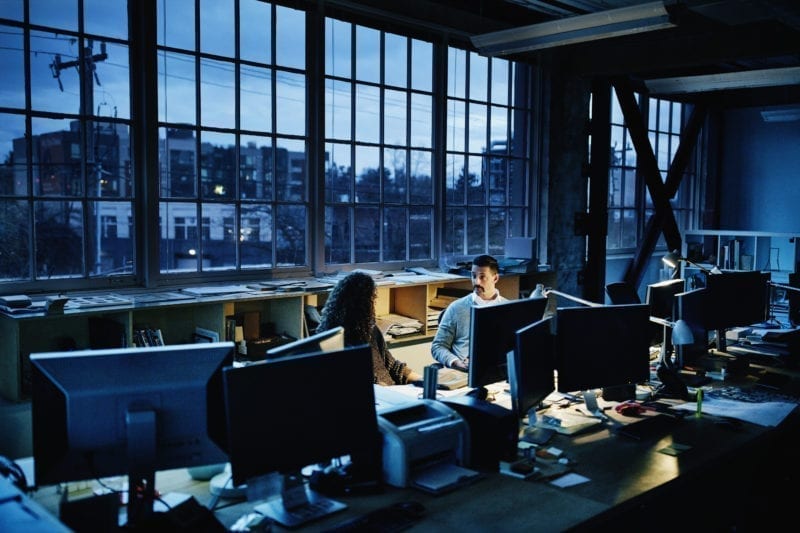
x,y
731,477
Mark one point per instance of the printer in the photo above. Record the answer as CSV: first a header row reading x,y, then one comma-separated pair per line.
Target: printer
x,y
419,434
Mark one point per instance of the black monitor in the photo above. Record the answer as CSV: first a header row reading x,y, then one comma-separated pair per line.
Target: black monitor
x,y
794,299
288,413
602,346
531,366
127,411
322,341
492,335
690,306
737,298
661,298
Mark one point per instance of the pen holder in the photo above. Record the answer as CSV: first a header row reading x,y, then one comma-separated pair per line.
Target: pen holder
x,y
430,383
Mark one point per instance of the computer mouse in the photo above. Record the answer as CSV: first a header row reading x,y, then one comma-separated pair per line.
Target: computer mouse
x,y
412,508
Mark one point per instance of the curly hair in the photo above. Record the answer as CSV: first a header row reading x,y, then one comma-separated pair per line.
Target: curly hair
x,y
351,304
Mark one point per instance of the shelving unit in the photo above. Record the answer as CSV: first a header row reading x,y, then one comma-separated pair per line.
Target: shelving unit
x,y
777,253
81,328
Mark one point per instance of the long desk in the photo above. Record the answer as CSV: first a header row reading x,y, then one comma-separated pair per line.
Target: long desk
x,y
731,476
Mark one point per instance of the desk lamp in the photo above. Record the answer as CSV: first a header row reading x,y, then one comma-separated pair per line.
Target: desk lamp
x,y
673,259
669,365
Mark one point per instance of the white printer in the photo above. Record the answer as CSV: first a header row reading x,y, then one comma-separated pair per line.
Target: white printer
x,y
419,435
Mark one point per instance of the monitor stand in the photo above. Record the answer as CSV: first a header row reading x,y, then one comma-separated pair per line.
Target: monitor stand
x,y
297,503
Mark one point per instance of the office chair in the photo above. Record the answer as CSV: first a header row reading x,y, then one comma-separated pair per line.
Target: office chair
x,y
622,292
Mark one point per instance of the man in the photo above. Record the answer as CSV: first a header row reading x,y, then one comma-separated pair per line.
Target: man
x,y
450,345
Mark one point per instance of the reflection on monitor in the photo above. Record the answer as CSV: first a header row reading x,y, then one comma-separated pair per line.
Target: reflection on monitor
x,y
603,346
322,341
690,306
660,298
127,411
287,413
493,334
531,366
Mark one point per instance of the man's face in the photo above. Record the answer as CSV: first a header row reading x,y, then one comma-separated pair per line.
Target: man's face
x,y
483,282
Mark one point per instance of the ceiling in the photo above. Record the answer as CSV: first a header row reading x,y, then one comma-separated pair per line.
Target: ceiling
x,y
710,38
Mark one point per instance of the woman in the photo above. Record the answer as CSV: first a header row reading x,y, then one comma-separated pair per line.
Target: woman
x,y
351,304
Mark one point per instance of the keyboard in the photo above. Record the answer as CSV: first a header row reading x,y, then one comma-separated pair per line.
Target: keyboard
x,y
388,519
655,426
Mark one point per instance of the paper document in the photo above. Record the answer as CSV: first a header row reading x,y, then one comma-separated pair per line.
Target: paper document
x,y
762,413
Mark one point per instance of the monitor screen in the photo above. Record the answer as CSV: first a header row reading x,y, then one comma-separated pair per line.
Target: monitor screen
x,y
531,366
603,346
322,341
127,411
737,298
492,335
287,413
794,299
660,298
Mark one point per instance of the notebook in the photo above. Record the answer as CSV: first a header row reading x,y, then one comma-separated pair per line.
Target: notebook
x,y
451,378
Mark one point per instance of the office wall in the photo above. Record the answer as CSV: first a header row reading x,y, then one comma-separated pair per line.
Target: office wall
x,y
759,173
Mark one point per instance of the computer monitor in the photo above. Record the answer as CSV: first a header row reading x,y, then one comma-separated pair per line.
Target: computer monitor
x,y
602,346
287,413
690,306
737,298
322,341
531,366
794,299
127,411
661,298
492,335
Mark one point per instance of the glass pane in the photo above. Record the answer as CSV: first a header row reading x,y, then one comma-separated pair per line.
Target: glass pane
x,y
663,115
615,187
111,243
367,222
291,171
395,179
517,188
617,146
11,9
421,184
13,60
255,29
176,24
338,225
420,233
256,98
629,199
338,47
338,173
421,65
291,221
499,129
477,128
15,246
13,156
456,182
58,156
368,48
176,88
500,81
367,114
109,172
106,17
476,230
396,60
497,231
677,124
614,229
456,120
61,94
456,72
478,77
394,234
476,185
112,97
454,233
394,117
421,120
217,238
217,93
291,103
338,101
516,222
255,236
217,165
177,163
628,235
367,177
59,239
290,36
61,14
663,152
255,168
217,27
179,242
